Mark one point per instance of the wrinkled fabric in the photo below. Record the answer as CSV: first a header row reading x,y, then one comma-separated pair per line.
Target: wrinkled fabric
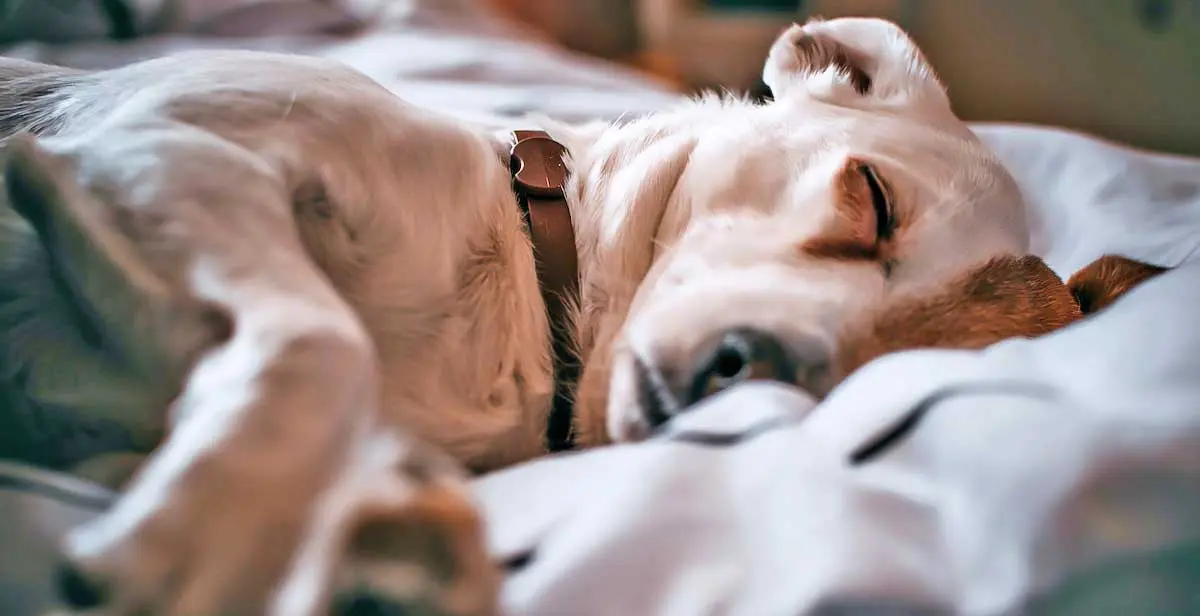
x,y
1030,462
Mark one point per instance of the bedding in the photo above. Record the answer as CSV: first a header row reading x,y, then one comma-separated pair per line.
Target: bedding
x,y
1051,476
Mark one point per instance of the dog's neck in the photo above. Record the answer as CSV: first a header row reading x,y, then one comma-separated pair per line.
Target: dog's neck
x,y
619,187
539,176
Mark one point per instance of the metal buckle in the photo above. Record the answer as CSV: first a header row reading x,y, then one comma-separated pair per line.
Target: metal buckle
x,y
536,163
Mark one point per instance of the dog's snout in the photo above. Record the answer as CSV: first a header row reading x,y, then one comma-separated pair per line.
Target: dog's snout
x,y
732,357
749,354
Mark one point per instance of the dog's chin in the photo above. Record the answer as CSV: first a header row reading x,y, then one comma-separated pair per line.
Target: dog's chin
x,y
628,424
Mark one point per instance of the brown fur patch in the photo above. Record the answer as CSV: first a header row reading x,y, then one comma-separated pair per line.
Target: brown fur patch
x,y
852,234
1107,278
1004,298
819,53
440,529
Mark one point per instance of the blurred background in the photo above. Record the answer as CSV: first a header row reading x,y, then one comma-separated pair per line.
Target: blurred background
x,y
1124,69
1128,70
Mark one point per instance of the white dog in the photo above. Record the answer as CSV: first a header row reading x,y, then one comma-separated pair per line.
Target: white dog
x,y
305,270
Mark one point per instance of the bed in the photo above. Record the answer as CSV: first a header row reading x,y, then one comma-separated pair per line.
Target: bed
x,y
1051,476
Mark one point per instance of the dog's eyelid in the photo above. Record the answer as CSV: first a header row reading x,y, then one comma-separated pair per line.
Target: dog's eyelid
x,y
881,198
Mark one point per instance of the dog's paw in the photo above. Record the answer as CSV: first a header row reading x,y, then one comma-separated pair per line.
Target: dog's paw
x,y
248,542
204,542
421,554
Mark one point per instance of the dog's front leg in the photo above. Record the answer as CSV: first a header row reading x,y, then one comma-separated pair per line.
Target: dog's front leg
x,y
249,505
274,464
211,525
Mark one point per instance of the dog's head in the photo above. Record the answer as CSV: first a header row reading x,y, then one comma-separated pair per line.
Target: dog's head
x,y
796,239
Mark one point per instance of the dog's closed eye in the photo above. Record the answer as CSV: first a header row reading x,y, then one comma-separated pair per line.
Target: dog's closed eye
x,y
881,202
864,217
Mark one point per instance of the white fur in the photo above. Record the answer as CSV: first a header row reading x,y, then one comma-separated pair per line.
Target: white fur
x,y
372,261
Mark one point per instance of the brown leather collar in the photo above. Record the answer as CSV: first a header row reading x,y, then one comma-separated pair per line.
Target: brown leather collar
x,y
539,175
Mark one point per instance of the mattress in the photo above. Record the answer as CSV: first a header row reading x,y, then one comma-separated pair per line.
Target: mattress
x,y
1016,479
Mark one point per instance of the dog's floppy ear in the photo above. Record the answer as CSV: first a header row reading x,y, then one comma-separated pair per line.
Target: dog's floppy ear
x,y
1007,297
851,61
127,304
1108,278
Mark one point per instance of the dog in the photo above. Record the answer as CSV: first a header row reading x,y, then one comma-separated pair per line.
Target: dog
x,y
327,304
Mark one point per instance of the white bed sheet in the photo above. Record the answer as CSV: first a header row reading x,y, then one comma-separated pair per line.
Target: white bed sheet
x,y
1035,461
1034,458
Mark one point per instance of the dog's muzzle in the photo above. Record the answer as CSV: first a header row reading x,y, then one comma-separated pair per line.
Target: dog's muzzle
x,y
667,388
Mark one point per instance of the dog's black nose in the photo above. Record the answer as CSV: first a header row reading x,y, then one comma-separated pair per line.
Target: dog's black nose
x,y
749,354
732,357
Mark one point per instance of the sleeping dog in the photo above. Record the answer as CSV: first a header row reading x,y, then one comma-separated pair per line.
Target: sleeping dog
x,y
330,303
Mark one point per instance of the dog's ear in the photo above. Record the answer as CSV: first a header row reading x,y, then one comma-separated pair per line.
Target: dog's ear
x,y
125,302
1006,297
1108,278
852,61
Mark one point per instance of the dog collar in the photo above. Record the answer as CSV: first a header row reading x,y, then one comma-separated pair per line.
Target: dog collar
x,y
538,177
